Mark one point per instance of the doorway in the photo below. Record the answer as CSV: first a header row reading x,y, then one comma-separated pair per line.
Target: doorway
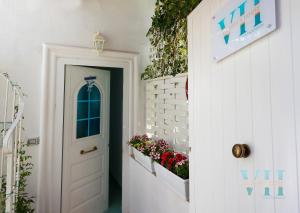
x,y
92,147
55,58
115,138
115,145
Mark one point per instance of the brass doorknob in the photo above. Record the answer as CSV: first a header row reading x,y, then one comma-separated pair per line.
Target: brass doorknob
x,y
241,150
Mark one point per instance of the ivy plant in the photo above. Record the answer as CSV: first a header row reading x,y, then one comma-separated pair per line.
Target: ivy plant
x,y
168,38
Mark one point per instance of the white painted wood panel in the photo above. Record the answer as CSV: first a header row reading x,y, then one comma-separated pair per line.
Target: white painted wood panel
x,y
200,82
217,124
244,125
295,51
251,97
282,108
262,123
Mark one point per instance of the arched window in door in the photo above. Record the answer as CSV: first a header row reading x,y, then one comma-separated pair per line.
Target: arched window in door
x,y
88,111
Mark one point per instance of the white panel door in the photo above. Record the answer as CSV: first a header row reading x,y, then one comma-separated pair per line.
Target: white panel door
x,y
86,136
251,97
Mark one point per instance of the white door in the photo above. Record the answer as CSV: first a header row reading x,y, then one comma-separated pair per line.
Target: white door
x,y
248,98
86,136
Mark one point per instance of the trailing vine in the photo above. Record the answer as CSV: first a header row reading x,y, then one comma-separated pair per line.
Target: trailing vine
x,y
24,201
168,38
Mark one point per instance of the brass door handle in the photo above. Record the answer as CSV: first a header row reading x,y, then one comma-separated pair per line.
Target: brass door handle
x,y
241,150
82,152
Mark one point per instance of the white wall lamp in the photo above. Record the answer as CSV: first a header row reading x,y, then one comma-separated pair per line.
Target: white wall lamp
x,y
99,42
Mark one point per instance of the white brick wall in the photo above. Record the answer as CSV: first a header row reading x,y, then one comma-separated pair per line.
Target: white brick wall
x,y
167,111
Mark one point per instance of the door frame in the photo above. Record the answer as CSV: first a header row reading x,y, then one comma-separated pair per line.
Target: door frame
x,y
55,58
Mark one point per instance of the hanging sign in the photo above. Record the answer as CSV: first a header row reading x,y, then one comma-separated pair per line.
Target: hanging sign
x,y
239,23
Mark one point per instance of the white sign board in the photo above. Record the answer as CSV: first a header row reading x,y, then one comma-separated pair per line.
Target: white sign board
x,y
239,23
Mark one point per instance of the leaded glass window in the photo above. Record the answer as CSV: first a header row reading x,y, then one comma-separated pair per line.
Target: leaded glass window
x,y
88,111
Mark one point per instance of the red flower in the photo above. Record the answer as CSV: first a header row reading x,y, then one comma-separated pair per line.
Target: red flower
x,y
166,155
179,157
170,163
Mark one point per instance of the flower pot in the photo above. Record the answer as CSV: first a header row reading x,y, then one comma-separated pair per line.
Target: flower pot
x,y
178,184
143,160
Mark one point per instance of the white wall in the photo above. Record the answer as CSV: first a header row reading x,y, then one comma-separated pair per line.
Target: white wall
x,y
150,195
25,25
250,97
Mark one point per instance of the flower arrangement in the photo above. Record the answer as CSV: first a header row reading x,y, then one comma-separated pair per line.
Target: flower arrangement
x,y
141,143
158,148
161,152
158,157
176,163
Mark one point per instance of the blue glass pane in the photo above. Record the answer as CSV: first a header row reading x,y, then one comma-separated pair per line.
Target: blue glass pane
x,y
83,93
88,112
94,109
82,110
94,126
82,129
95,94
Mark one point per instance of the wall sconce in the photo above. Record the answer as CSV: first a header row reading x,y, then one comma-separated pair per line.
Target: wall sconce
x,y
99,42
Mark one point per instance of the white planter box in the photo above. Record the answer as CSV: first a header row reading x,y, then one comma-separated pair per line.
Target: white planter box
x,y
144,160
178,184
130,150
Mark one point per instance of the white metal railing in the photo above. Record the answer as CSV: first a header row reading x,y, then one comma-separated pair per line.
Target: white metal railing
x,y
11,116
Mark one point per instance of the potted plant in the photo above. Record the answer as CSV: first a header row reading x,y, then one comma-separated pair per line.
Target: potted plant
x,y
173,169
140,151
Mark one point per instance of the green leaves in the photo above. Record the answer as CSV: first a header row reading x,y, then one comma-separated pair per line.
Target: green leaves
x,y
168,37
24,201
183,171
